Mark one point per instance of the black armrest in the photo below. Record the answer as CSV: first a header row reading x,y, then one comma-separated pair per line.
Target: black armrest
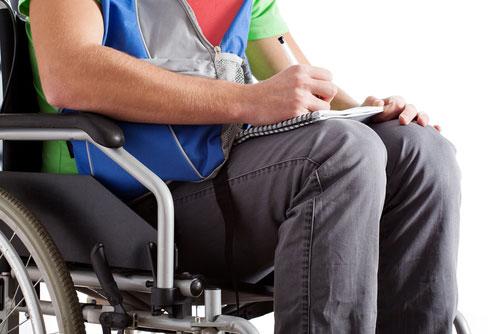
x,y
101,129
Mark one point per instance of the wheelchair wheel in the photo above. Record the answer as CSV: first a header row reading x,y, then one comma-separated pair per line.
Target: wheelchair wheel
x,y
25,247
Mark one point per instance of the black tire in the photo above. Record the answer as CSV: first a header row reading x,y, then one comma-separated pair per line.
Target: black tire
x,y
34,237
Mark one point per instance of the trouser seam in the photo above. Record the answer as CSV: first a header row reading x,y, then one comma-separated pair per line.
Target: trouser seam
x,y
306,269
248,175
271,166
316,173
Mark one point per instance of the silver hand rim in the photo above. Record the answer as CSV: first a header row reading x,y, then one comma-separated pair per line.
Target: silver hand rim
x,y
25,284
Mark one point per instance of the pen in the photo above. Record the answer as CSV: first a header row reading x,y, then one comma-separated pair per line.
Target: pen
x,y
289,54
288,51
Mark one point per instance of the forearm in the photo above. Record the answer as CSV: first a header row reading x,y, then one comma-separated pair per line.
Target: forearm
x,y
77,72
104,80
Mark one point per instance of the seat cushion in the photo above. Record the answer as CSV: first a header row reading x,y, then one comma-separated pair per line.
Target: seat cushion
x,y
78,212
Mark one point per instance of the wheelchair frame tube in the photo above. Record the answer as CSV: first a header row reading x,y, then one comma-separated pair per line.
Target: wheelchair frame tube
x,y
213,307
144,320
165,242
165,202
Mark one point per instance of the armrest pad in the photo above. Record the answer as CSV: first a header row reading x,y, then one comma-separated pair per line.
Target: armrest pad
x,y
101,129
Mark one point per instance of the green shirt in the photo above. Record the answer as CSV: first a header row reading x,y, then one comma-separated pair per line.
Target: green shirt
x,y
265,22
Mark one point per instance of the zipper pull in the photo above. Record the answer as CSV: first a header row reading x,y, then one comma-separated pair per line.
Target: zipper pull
x,y
217,61
218,52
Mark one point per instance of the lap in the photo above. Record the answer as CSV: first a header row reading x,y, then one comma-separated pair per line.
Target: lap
x,y
264,174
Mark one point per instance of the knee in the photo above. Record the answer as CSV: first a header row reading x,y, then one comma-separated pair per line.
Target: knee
x,y
425,150
361,144
350,147
435,154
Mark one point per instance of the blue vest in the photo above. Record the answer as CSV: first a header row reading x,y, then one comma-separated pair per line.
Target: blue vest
x,y
166,34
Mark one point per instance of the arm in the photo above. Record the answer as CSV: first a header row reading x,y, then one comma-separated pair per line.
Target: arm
x,y
267,59
77,72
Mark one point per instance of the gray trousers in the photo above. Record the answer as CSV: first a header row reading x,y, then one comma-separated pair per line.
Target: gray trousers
x,y
361,225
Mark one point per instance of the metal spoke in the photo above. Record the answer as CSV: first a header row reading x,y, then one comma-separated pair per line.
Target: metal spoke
x,y
12,301
10,313
17,305
27,262
17,289
16,327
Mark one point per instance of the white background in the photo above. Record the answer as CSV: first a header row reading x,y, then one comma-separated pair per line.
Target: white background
x,y
443,56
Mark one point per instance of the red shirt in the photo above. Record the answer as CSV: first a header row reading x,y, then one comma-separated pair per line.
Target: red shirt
x,y
215,16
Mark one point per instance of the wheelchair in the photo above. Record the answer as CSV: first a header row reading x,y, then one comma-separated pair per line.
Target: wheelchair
x,y
60,234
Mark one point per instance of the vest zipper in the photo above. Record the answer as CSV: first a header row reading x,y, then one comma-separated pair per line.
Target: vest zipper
x,y
218,52
214,51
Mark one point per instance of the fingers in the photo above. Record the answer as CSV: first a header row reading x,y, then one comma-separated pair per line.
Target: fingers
x,y
317,73
396,107
315,104
397,101
391,111
422,119
409,113
373,101
325,90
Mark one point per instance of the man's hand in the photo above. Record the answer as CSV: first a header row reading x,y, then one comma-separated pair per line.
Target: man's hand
x,y
295,91
395,107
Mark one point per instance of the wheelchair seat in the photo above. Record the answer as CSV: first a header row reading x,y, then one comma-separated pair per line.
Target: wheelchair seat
x,y
79,212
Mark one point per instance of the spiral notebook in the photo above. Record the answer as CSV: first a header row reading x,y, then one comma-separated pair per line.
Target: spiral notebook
x,y
361,114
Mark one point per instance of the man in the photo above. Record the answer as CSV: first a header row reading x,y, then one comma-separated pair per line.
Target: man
x,y
360,223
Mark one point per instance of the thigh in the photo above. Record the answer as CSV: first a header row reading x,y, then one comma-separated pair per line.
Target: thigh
x,y
265,175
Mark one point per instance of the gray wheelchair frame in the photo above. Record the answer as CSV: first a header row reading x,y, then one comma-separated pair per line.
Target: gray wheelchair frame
x,y
165,248
24,128
214,321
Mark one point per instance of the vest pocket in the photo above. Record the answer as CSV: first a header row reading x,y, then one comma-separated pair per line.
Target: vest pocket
x,y
229,67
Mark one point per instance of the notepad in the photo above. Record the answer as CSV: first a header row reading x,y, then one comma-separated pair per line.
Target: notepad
x,y
361,114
